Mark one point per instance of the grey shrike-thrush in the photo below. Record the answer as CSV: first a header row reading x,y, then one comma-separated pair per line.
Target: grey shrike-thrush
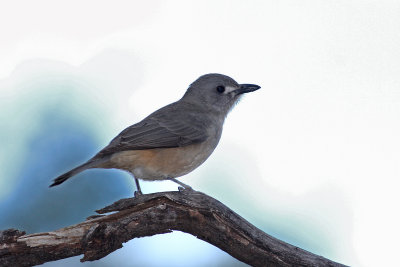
x,y
175,139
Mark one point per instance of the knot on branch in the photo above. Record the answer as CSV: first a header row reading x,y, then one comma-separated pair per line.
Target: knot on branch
x,y
10,235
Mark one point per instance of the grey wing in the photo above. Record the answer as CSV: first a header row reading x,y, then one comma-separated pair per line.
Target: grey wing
x,y
158,131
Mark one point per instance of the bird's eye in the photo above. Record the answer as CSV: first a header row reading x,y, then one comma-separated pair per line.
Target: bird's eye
x,y
220,89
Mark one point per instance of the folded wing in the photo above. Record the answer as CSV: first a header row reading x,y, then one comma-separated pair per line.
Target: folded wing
x,y
159,130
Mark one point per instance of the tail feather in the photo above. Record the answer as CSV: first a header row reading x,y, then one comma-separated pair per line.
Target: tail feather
x,y
62,178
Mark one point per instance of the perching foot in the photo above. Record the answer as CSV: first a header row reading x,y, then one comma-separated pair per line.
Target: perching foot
x,y
138,193
185,189
182,186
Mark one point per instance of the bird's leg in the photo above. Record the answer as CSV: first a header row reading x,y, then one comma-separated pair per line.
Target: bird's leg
x,y
138,191
185,186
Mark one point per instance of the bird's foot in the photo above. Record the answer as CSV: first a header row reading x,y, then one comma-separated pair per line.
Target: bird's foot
x,y
182,187
187,189
138,193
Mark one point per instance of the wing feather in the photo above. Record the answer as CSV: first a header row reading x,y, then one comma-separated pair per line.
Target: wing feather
x,y
165,128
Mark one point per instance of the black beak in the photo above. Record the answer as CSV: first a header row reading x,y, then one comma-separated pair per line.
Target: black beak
x,y
247,88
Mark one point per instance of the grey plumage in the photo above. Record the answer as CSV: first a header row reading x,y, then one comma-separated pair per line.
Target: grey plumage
x,y
165,128
152,146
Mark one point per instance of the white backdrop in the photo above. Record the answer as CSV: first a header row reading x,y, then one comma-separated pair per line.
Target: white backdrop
x,y
317,147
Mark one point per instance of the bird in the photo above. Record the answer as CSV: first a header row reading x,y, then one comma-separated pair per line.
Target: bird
x,y
175,139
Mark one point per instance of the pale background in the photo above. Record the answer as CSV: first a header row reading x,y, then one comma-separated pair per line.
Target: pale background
x,y
311,158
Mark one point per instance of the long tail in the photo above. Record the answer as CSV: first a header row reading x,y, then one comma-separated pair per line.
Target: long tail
x,y
62,178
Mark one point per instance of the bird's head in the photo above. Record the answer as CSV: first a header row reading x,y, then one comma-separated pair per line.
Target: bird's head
x,y
217,92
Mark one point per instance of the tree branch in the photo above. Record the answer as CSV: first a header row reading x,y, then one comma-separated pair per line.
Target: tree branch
x,y
187,211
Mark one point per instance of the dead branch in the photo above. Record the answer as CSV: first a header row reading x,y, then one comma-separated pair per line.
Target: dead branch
x,y
187,211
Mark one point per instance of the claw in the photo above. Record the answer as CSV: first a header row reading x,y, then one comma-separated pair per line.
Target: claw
x,y
182,186
138,193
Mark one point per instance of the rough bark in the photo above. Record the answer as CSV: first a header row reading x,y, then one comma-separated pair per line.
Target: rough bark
x,y
187,211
